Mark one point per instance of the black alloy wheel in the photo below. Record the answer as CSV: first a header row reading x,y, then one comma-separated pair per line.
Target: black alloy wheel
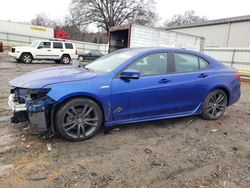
x,y
79,119
215,105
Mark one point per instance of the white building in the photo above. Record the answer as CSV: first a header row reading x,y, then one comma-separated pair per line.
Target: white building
x,y
228,32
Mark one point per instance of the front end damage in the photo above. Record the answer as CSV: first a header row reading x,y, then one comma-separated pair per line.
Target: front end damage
x,y
33,106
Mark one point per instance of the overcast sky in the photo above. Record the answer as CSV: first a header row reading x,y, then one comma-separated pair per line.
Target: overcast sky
x,y
25,10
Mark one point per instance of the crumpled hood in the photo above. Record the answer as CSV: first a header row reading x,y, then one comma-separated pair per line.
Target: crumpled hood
x,y
42,77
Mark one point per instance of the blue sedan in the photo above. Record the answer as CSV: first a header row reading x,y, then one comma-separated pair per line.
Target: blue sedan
x,y
127,86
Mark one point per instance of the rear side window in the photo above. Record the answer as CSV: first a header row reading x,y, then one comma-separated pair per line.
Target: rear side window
x,y
68,45
57,45
188,63
203,63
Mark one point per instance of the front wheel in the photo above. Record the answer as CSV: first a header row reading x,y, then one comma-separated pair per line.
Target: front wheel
x,y
81,58
214,105
79,119
26,58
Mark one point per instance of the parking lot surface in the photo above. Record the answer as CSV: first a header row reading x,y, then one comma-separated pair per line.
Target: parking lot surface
x,y
180,152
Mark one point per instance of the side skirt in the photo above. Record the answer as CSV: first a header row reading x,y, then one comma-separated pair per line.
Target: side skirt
x,y
197,111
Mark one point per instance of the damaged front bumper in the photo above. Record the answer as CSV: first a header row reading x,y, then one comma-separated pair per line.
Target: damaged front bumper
x,y
36,112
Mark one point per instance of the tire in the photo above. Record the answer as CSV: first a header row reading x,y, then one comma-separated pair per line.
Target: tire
x,y
65,59
215,105
81,58
26,58
78,119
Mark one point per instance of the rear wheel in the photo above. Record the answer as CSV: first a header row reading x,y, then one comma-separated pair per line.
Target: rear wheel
x,y
65,59
26,58
79,119
214,105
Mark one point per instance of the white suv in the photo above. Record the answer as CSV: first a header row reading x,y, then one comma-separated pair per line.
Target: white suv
x,y
58,51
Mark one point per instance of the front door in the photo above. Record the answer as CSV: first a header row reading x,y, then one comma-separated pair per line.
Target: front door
x,y
43,51
147,96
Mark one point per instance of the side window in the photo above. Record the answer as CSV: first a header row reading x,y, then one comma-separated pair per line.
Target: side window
x,y
68,45
57,45
44,45
203,63
154,64
186,62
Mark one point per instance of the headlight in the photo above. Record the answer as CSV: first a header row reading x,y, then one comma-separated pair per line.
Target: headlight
x,y
37,94
23,95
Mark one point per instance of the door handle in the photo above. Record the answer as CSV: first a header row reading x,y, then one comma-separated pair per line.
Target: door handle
x,y
61,50
49,50
164,81
203,75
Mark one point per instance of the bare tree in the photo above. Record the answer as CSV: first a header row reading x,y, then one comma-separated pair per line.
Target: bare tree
x,y
181,19
108,13
43,20
146,15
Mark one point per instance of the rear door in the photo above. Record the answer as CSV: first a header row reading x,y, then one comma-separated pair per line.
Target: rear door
x,y
188,82
58,50
69,48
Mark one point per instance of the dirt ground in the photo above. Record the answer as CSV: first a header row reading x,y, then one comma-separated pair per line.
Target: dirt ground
x,y
181,152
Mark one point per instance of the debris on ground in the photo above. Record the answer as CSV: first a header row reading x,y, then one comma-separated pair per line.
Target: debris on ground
x,y
93,174
154,164
36,178
214,130
189,122
49,146
148,150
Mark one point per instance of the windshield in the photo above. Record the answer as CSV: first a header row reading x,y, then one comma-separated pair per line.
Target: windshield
x,y
34,43
111,61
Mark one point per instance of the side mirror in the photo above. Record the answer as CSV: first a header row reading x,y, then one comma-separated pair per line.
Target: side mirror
x,y
130,74
39,47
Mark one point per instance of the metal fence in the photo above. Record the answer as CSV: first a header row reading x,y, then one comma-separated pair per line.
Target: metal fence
x,y
235,57
10,40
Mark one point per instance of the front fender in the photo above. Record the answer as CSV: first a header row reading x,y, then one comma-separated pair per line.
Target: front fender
x,y
93,90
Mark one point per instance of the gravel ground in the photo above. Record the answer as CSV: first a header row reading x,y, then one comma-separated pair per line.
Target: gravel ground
x,y
180,152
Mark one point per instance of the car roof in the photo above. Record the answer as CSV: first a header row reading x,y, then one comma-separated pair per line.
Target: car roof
x,y
46,40
178,50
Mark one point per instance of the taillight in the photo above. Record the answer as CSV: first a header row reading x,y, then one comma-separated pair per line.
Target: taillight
x,y
237,75
76,52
